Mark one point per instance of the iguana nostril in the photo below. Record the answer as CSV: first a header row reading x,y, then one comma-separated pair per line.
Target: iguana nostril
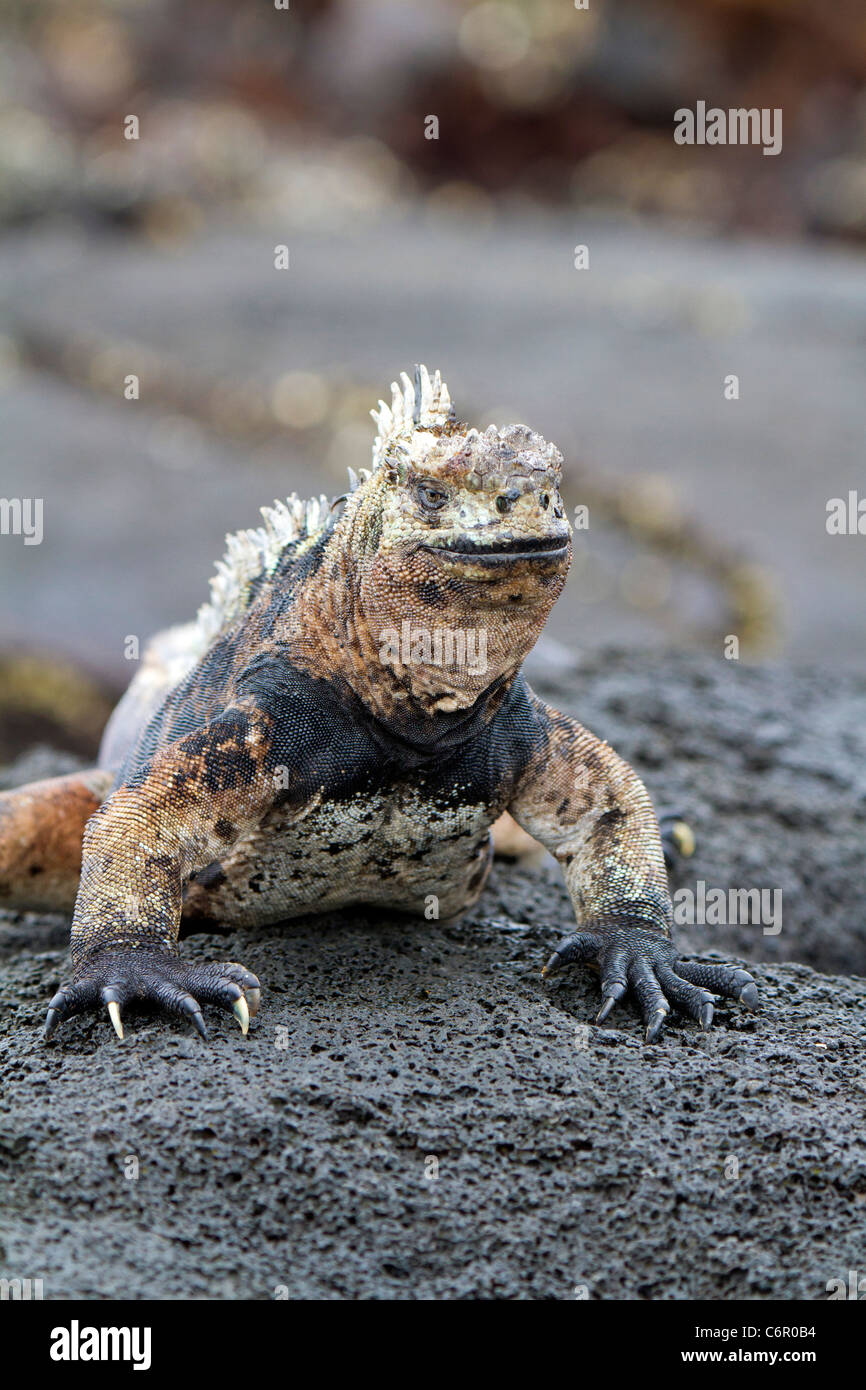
x,y
505,499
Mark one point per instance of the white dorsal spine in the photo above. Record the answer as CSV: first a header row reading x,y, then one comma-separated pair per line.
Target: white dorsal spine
x,y
255,552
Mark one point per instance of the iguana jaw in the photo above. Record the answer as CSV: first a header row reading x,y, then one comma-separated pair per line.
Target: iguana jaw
x,y
470,556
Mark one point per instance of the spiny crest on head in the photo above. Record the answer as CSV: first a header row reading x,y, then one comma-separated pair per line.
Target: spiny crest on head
x,y
422,404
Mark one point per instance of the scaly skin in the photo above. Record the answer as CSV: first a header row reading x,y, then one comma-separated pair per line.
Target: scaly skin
x,y
347,719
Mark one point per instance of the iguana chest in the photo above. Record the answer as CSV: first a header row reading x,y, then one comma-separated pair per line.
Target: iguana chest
x,y
404,845
367,818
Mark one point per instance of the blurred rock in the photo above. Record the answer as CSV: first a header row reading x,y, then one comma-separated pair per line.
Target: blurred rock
x,y
46,700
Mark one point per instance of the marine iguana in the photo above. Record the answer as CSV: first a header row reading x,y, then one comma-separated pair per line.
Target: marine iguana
x,y
344,722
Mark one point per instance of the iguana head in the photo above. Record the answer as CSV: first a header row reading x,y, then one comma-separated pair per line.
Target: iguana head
x,y
455,531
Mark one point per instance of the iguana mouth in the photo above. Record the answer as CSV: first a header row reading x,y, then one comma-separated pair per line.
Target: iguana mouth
x,y
502,552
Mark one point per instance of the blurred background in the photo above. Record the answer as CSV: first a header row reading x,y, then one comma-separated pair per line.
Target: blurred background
x,y
308,127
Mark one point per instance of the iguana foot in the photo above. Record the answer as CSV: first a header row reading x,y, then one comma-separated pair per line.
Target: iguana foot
x,y
630,958
677,837
120,977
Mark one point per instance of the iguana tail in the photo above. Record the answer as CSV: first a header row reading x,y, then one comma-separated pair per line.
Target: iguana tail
x,y
41,829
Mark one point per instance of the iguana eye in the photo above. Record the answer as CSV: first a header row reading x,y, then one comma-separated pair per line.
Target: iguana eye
x,y
431,496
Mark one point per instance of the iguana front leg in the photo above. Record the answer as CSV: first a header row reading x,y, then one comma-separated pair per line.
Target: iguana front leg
x,y
195,797
591,810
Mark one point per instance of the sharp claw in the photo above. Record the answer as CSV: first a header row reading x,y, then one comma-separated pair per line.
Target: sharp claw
x,y
254,998
706,1016
52,1018
655,1024
242,1014
552,965
684,838
609,1001
198,1022
610,996
114,1015
193,1012
749,995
